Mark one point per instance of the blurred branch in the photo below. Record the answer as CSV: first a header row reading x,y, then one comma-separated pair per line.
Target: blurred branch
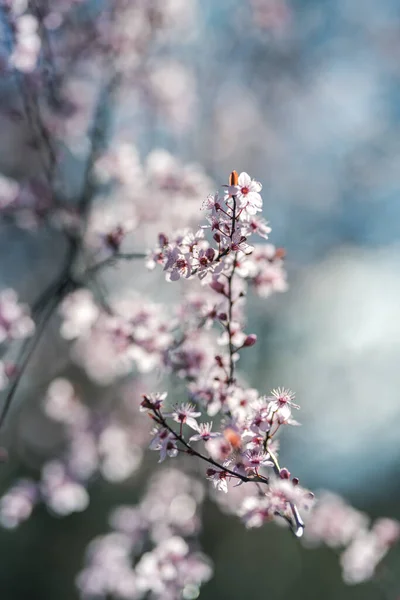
x,y
30,345
112,260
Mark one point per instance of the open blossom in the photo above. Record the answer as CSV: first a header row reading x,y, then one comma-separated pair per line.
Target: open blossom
x,y
219,479
185,414
253,459
205,433
247,192
258,225
178,264
152,401
164,442
280,407
264,270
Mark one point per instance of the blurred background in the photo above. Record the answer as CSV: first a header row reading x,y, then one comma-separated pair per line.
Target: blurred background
x,y
304,96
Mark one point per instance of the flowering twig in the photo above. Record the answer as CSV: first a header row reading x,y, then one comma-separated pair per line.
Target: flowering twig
x,y
159,418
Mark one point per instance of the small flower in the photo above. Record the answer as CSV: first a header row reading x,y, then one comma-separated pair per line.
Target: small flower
x,y
280,407
204,434
165,443
177,264
247,192
259,226
239,242
253,459
185,414
219,479
152,401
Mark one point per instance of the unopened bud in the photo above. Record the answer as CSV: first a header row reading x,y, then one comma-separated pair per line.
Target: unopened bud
x,y
284,473
218,360
250,340
217,286
217,237
233,178
162,239
295,481
233,437
210,253
114,238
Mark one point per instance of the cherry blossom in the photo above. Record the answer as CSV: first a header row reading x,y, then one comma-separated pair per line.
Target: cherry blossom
x,y
247,192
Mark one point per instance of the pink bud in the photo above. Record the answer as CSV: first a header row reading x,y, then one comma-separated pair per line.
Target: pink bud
x,y
210,252
10,370
250,340
162,239
217,237
218,360
284,473
217,286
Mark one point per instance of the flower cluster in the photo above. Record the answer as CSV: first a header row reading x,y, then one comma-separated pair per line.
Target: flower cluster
x,y
159,537
241,451
109,341
243,448
176,191
96,443
340,526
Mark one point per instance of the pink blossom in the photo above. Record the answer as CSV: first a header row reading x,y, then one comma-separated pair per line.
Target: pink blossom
x,y
218,479
164,442
205,433
185,414
247,192
253,459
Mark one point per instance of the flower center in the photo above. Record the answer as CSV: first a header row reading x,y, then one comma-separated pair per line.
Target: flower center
x,y
245,191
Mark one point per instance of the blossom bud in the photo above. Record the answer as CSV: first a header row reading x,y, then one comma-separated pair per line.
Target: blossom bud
x,y
233,437
211,472
217,286
233,178
295,481
162,239
223,316
218,360
250,340
284,473
217,237
280,253
114,238
10,370
210,253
